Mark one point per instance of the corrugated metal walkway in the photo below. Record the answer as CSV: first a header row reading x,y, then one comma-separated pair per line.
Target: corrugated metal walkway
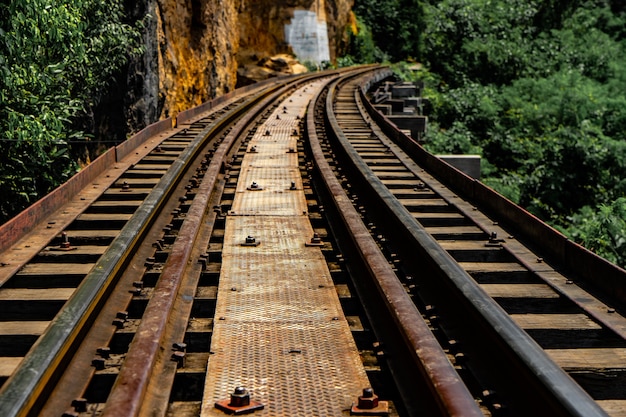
x,y
279,330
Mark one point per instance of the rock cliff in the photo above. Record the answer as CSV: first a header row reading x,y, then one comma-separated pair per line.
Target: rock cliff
x,y
193,48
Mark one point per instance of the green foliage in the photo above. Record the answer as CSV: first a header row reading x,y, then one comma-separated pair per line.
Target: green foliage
x,y
362,49
56,61
396,25
538,89
602,230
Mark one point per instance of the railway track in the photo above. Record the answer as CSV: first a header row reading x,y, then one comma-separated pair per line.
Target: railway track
x,y
230,265
516,322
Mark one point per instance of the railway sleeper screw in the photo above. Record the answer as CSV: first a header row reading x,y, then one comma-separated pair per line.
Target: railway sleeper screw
x,y
316,240
239,403
119,323
179,346
251,241
80,405
460,358
254,187
125,187
98,363
369,404
179,358
104,352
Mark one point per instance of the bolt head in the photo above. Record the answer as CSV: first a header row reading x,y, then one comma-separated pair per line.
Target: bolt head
x,y
368,400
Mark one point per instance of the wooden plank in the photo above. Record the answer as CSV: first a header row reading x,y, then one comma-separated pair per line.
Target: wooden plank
x,y
52,251
482,267
90,217
590,358
31,294
456,230
519,291
555,321
614,408
56,269
469,245
11,328
8,365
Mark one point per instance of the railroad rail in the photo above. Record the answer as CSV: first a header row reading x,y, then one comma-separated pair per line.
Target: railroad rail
x,y
287,251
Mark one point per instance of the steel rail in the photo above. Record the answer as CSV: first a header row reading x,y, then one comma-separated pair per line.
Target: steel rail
x,y
127,394
566,397
23,392
452,396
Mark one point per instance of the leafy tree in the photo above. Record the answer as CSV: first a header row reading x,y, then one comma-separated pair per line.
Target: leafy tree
x,y
602,230
57,59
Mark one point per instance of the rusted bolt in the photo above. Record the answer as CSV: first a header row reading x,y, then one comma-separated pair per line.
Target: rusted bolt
x,y
138,284
316,240
80,405
267,133
250,239
158,149
98,363
291,150
65,241
295,132
180,346
119,323
460,358
539,260
278,117
179,358
368,400
253,149
125,186
240,397
104,352
122,315
610,310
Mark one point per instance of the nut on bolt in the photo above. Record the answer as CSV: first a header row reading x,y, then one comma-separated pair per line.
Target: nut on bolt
x,y
369,404
239,403
251,241
316,240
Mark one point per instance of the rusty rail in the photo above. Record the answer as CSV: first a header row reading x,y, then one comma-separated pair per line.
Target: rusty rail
x,y
453,397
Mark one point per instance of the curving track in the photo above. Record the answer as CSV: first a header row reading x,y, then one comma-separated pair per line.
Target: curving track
x,y
289,240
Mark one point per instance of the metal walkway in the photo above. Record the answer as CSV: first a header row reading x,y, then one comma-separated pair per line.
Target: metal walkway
x,y
279,329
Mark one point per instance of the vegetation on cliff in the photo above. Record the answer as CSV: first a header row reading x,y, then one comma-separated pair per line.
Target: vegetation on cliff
x,y
538,89
56,61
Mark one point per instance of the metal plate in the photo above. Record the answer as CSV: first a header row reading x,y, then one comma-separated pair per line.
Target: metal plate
x,y
279,330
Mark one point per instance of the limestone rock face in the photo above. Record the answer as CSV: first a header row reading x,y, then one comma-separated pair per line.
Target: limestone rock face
x,y
193,49
198,44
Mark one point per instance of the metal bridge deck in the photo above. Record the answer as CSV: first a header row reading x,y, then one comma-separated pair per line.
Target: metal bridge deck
x,y
279,329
